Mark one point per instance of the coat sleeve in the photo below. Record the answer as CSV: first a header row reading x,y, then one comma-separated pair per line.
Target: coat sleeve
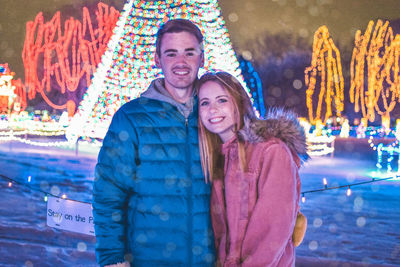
x,y
114,175
272,221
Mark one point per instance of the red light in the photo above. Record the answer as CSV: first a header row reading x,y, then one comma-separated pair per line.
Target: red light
x,y
56,59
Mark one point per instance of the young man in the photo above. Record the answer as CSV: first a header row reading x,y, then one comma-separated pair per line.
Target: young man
x,y
150,201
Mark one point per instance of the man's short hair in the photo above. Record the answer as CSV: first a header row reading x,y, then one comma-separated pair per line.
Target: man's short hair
x,y
176,26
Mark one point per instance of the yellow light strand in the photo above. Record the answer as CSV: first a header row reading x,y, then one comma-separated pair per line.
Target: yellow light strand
x,y
377,51
325,67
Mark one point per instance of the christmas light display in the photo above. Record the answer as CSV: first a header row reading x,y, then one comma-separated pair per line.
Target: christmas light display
x,y
320,145
361,129
397,132
326,67
389,151
127,67
253,82
12,92
317,144
56,57
344,131
375,76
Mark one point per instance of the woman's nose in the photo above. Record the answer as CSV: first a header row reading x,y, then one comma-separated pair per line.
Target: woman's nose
x,y
213,108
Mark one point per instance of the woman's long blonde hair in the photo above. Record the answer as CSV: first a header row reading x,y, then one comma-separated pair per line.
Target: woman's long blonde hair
x,y
212,160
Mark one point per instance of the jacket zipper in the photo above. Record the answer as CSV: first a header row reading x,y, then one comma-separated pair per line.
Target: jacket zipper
x,y
189,192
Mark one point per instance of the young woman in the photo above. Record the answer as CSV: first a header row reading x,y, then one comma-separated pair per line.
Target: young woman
x,y
253,165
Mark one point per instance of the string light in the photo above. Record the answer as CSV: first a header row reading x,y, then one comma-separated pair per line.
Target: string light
x,y
390,150
325,182
345,130
377,53
303,194
46,194
12,92
68,56
348,192
20,127
317,144
361,129
326,67
320,145
379,132
41,144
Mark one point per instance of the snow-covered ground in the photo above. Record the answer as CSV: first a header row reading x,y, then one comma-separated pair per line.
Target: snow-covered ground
x,y
360,230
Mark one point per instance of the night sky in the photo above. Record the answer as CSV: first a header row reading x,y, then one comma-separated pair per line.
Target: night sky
x,y
246,20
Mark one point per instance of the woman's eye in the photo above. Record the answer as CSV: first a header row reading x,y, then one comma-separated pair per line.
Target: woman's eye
x,y
204,103
223,100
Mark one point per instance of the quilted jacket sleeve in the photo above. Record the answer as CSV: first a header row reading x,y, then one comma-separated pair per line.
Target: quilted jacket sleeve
x,y
271,224
114,174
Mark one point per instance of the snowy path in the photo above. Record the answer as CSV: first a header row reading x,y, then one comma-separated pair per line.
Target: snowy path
x,y
363,228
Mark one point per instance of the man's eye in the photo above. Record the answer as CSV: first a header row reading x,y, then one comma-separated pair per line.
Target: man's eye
x,y
170,54
190,54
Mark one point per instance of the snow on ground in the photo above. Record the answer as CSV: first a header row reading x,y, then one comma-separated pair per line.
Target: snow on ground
x,y
364,227
360,230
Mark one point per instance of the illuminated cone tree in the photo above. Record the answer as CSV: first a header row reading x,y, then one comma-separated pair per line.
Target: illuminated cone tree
x,y
127,67
324,78
375,76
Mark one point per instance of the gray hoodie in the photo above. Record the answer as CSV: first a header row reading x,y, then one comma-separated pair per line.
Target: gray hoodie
x,y
157,91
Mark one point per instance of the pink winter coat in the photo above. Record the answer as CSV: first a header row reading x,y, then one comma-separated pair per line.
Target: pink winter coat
x,y
254,212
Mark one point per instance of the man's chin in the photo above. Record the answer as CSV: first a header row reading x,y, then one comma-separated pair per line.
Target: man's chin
x,y
183,85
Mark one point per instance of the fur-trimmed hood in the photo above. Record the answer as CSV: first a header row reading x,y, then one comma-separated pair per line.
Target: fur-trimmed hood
x,y
278,123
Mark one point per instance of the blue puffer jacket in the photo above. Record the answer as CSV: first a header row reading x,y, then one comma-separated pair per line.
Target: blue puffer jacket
x,y
150,200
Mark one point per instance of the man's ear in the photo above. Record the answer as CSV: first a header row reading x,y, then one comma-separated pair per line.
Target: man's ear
x,y
157,60
202,60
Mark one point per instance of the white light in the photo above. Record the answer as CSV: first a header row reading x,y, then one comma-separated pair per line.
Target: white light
x,y
348,192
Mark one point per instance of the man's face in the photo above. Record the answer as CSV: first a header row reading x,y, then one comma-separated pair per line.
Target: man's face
x,y
180,59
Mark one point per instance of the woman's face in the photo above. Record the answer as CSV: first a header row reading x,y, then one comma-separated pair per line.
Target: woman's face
x,y
216,110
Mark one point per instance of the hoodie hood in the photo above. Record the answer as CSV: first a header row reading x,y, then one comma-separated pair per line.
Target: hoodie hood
x,y
157,91
278,123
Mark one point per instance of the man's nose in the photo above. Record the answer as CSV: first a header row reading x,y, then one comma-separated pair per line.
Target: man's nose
x,y
181,58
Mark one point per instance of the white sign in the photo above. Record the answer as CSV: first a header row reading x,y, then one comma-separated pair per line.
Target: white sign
x,y
70,215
